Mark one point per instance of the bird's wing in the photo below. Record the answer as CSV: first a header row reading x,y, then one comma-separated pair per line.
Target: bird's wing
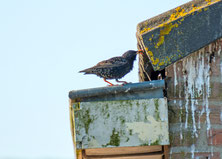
x,y
113,62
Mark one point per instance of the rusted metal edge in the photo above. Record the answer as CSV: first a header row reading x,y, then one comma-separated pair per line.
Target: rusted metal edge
x,y
152,89
179,32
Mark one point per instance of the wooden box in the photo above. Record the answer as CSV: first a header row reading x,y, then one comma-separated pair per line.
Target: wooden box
x,y
120,122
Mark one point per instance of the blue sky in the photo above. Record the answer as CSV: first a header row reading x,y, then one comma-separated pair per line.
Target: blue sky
x,y
43,45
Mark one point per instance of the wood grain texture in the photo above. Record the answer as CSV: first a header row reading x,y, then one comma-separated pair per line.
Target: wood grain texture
x,y
79,154
123,150
159,156
166,151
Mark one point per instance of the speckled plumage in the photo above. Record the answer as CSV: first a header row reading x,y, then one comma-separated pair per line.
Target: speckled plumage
x,y
114,68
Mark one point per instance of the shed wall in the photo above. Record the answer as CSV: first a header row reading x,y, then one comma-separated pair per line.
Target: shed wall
x,y
194,91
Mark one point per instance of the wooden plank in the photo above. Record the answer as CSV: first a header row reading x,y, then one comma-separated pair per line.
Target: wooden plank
x,y
123,150
79,154
127,123
166,151
159,156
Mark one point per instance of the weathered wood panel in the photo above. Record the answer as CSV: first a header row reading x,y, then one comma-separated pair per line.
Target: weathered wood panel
x,y
121,123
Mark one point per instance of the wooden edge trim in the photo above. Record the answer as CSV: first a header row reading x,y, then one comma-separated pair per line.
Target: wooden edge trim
x,y
166,151
123,150
72,126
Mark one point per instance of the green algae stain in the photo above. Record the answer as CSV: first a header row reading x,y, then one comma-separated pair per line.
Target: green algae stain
x,y
87,121
114,139
122,120
131,132
157,142
157,113
145,144
76,106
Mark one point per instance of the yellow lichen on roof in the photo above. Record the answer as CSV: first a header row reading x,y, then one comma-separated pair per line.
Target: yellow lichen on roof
x,y
150,54
179,12
145,30
166,30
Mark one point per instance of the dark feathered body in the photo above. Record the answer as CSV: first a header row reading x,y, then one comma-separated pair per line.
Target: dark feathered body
x,y
114,68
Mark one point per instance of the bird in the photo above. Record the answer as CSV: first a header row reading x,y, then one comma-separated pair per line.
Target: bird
x,y
114,68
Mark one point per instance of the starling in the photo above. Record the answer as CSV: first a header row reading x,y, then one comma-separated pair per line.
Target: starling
x,y
114,68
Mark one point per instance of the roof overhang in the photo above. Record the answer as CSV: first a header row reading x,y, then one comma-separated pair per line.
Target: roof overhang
x,y
181,31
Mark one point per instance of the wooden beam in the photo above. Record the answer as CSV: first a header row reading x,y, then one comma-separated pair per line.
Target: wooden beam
x,y
166,151
123,150
79,154
159,156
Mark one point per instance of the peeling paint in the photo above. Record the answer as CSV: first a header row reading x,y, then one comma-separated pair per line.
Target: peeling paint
x,y
93,143
148,132
121,123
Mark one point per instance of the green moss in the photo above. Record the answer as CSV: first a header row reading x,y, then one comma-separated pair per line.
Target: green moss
x,y
105,110
137,104
137,116
87,121
127,139
122,120
171,137
157,142
76,106
145,144
157,113
131,132
114,139
190,119
183,154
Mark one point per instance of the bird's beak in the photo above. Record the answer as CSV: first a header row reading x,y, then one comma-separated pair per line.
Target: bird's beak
x,y
140,52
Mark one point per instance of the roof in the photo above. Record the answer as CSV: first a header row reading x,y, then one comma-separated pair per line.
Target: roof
x,y
144,90
181,31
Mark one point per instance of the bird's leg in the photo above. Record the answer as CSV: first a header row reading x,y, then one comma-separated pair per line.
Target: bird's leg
x,y
108,82
124,82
